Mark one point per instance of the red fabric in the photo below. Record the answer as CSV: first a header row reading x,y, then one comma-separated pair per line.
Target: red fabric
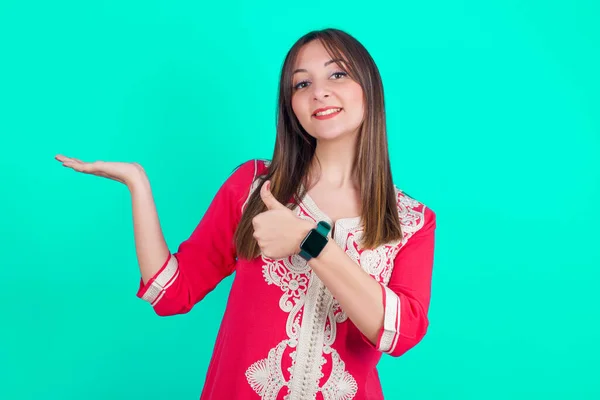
x,y
282,332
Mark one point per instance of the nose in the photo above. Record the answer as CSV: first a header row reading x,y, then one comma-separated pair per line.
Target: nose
x,y
320,91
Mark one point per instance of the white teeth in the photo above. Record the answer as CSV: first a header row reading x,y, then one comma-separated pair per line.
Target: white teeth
x,y
331,111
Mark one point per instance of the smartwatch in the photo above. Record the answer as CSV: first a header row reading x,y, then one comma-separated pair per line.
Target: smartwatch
x,y
315,241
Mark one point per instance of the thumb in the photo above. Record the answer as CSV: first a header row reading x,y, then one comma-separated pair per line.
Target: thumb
x,y
268,198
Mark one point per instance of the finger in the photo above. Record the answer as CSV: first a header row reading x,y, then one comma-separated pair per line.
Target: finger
x,y
63,159
80,166
77,166
268,198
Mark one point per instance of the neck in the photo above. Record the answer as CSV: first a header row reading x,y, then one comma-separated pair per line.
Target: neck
x,y
333,164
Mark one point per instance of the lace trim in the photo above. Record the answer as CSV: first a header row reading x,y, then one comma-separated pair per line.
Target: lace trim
x,y
265,376
162,282
391,321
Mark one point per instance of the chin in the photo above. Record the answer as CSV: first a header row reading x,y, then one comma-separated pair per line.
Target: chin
x,y
333,134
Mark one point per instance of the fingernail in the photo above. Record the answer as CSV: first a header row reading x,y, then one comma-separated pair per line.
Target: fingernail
x,y
268,185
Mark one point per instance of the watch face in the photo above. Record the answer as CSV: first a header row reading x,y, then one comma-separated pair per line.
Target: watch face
x,y
314,243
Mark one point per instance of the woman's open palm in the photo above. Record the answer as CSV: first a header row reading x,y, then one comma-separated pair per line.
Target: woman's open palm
x,y
123,172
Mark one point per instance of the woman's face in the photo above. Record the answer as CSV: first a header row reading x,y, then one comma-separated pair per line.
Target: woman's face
x,y
321,84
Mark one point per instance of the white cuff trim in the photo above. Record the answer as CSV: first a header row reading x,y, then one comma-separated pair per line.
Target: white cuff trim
x,y
391,321
162,282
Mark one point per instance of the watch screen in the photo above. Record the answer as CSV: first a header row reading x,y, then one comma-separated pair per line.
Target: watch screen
x,y
314,242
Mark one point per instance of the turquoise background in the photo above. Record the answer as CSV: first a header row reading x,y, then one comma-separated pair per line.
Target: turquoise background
x,y
493,118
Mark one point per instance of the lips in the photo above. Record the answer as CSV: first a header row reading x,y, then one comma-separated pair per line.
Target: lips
x,y
328,116
324,109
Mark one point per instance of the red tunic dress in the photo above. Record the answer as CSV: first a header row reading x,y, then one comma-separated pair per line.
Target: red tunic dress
x,y
283,335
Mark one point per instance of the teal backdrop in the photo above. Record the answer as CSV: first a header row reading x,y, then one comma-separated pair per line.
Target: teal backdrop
x,y
493,121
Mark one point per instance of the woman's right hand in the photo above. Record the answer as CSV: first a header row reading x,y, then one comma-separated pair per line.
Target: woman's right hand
x,y
150,245
123,172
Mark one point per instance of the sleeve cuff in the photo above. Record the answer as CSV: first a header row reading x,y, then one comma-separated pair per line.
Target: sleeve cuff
x,y
391,321
390,331
156,286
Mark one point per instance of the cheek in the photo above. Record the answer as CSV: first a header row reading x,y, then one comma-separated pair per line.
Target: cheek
x,y
295,105
299,107
355,93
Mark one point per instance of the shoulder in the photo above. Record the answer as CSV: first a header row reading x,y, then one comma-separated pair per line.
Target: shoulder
x,y
414,215
242,180
250,168
244,175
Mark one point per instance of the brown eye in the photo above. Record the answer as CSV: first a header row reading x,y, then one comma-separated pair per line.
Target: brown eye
x,y
298,85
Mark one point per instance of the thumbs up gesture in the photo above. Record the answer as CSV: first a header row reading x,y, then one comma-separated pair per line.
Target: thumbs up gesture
x,y
278,231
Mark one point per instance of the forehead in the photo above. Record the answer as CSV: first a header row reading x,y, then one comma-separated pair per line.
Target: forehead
x,y
312,55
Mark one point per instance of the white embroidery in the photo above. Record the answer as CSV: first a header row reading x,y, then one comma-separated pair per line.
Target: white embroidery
x,y
379,262
311,328
411,214
340,385
291,275
265,376
339,314
162,282
309,353
391,321
313,313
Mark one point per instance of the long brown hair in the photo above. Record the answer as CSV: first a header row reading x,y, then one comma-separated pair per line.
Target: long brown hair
x,y
295,148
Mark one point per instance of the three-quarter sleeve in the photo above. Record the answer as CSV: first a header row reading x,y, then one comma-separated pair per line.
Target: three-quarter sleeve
x,y
207,256
406,298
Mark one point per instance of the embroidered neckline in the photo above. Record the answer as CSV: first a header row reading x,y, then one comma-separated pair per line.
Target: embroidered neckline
x,y
312,207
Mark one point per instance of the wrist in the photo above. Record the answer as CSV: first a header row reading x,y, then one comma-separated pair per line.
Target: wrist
x,y
325,250
138,180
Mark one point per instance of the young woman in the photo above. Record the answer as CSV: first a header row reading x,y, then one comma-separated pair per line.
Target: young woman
x,y
332,261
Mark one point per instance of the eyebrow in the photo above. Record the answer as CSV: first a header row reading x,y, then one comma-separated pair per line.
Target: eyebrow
x,y
326,64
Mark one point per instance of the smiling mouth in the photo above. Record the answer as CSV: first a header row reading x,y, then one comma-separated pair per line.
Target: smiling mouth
x,y
327,114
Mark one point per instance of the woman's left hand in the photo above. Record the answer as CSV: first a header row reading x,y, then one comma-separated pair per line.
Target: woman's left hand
x,y
278,230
